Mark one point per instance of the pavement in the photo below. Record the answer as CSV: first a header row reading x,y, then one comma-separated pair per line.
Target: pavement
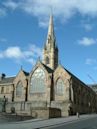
x,y
46,123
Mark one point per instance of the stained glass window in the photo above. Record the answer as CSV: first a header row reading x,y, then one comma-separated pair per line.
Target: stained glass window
x,y
19,89
38,81
59,88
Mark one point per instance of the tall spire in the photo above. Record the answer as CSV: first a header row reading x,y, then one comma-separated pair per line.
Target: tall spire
x,y
51,35
50,51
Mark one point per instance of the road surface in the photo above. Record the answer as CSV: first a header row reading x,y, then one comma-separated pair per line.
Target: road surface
x,y
84,122
89,123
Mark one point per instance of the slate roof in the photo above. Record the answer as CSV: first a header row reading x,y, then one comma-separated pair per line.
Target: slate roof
x,y
26,73
87,86
48,69
75,77
72,75
7,80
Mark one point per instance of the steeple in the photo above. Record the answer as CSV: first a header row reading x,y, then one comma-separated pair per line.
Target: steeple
x,y
51,35
50,51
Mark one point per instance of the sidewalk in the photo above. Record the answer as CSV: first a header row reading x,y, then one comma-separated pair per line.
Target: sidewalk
x,y
39,124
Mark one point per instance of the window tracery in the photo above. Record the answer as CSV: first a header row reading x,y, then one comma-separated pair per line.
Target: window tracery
x,y
38,81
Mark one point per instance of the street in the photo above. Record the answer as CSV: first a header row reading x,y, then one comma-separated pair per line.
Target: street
x,y
73,122
90,123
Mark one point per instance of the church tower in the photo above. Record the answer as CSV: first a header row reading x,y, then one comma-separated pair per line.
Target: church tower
x,y
50,51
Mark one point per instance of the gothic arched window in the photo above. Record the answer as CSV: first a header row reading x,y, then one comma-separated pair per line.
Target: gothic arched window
x,y
38,81
59,88
47,60
19,89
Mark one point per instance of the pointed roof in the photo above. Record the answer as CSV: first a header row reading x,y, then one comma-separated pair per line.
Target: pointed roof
x,y
45,66
71,74
51,36
48,68
25,73
51,26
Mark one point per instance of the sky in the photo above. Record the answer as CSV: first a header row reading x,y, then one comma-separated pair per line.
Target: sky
x,y
23,33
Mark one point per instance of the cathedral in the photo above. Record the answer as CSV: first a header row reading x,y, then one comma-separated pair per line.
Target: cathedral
x,y
49,90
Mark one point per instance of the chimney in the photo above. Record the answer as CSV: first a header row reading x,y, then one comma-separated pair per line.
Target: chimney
x,y
2,76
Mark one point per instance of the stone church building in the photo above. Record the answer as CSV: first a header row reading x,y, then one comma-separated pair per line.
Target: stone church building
x,y
49,90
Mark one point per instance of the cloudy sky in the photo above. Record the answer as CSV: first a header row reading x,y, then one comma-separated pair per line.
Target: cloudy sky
x,y
23,31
